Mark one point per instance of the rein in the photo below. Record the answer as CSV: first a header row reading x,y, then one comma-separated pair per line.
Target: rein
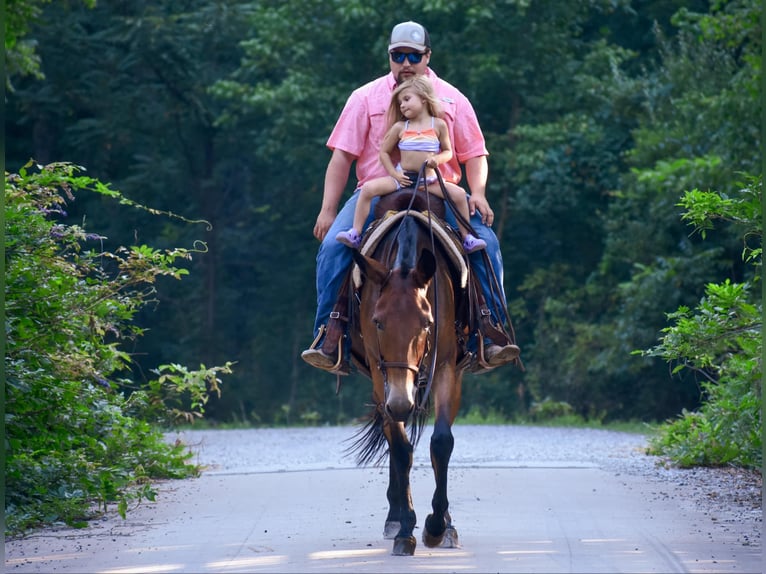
x,y
494,283
429,381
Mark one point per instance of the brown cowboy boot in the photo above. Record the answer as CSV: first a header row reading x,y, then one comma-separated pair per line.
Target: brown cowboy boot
x,y
499,347
329,355
495,355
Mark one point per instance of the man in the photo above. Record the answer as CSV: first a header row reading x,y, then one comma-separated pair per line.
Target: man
x,y
357,137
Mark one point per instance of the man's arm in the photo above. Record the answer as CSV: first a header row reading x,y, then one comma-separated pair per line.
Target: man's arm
x,y
476,170
335,180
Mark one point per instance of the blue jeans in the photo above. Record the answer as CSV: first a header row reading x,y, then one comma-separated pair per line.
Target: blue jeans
x,y
334,260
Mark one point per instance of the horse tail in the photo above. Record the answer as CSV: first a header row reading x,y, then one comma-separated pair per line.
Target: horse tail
x,y
370,444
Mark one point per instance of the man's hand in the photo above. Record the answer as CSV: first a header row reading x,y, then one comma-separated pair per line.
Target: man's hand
x,y
323,223
480,204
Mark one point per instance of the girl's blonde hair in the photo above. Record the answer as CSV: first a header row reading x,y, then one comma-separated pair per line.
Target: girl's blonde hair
x,y
423,87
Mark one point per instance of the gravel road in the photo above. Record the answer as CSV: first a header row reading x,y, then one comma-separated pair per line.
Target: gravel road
x,y
734,495
528,499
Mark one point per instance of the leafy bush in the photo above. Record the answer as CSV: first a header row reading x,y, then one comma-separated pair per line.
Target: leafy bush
x,y
720,340
79,432
549,409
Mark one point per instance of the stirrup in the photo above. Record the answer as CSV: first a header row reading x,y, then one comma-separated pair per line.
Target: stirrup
x,y
482,363
478,364
320,334
340,367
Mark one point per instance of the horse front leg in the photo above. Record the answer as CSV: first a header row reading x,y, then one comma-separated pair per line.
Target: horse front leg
x,y
438,529
401,518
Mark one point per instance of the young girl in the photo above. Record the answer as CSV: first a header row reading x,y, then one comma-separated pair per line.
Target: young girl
x,y
421,136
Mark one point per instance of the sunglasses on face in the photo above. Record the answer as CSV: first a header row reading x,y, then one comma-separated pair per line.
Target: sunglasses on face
x,y
413,57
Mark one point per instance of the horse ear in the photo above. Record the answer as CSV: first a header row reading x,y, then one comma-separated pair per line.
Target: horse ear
x,y
426,267
370,268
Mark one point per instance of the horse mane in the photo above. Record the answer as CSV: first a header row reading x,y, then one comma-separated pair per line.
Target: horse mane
x,y
406,255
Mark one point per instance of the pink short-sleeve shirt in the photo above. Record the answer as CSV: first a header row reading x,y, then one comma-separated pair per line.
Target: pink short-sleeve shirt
x,y
362,124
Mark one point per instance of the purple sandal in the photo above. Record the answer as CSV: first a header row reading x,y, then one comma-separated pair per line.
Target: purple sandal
x,y
350,238
471,243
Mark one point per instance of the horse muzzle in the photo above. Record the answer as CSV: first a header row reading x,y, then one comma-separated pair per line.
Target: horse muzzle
x,y
399,408
399,390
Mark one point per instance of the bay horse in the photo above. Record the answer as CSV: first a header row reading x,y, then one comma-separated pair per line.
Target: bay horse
x,y
404,337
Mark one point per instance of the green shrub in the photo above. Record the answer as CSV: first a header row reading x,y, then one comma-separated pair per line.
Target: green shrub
x,y
79,432
548,409
720,341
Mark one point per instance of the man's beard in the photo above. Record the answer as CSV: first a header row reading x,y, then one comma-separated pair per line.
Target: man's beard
x,y
400,78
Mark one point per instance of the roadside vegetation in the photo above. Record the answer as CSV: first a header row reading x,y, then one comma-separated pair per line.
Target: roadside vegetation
x,y
720,342
82,433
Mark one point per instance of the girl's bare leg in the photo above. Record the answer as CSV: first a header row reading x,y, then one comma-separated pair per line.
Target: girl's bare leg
x,y
458,197
471,243
371,189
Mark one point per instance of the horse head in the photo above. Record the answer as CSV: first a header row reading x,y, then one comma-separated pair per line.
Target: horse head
x,y
396,324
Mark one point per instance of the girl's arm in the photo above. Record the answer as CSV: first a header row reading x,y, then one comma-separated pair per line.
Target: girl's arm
x,y
387,147
446,153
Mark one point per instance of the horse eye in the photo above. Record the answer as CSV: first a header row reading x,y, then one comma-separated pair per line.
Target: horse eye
x,y
378,324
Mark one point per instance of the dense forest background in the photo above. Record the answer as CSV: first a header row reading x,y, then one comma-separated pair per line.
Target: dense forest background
x,y
598,115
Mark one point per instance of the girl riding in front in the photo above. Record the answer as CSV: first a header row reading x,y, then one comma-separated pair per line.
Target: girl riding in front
x,y
421,137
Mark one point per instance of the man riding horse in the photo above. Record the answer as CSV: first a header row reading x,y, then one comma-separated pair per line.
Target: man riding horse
x,y
356,138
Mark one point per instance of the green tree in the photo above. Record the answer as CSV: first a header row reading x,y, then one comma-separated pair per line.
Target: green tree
x,y
21,55
695,128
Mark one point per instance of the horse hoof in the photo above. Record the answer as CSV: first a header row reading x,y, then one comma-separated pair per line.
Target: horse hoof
x,y
432,541
432,525
391,529
447,539
404,546
450,539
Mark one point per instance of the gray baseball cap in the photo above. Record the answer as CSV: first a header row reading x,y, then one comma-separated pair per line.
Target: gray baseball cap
x,y
409,35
